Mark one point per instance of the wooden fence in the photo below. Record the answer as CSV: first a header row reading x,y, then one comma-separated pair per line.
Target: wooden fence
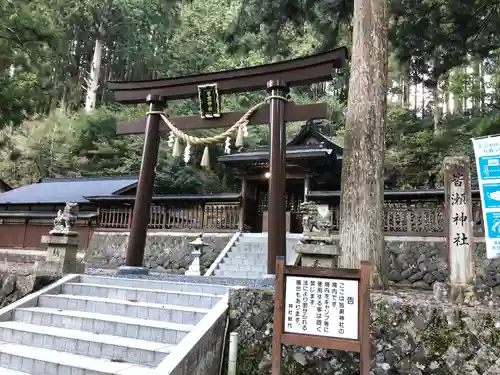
x,y
205,216
416,217
408,217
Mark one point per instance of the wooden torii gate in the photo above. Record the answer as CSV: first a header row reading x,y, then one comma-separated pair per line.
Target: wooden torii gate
x,y
277,78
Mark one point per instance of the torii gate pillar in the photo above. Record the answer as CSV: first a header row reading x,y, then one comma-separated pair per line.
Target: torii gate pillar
x,y
139,227
276,240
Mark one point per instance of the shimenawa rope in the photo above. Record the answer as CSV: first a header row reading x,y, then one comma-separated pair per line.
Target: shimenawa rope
x,y
239,126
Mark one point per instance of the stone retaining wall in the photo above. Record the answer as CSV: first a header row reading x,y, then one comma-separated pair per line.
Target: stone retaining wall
x,y
422,263
487,270
15,284
412,335
165,251
417,263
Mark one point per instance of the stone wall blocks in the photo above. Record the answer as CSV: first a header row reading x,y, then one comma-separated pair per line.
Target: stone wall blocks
x,y
170,252
411,336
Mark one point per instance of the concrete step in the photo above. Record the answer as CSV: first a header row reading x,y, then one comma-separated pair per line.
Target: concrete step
x,y
105,326
116,348
134,328
249,249
202,300
263,240
156,285
235,259
239,274
5,371
41,361
251,241
261,268
176,315
256,240
253,235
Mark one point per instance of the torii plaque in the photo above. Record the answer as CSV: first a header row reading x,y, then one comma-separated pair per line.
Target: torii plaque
x,y
277,78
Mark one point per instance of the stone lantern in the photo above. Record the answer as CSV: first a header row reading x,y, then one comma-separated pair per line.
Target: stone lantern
x,y
198,244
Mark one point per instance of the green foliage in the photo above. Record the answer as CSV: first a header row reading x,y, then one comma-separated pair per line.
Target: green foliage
x,y
434,36
415,152
82,144
46,50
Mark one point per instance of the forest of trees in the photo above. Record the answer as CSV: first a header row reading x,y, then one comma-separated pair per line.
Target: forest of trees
x,y
58,119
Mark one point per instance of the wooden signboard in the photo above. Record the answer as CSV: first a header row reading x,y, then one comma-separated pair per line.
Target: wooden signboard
x,y
323,308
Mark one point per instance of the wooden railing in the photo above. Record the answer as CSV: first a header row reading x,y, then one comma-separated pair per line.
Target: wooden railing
x,y
204,216
408,217
114,217
416,217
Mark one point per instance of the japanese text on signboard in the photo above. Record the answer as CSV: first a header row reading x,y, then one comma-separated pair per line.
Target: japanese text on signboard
x,y
323,307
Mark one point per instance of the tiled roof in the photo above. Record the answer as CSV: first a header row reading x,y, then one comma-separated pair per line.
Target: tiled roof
x,y
60,190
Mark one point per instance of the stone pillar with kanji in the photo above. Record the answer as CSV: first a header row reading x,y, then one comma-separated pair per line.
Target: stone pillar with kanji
x,y
458,220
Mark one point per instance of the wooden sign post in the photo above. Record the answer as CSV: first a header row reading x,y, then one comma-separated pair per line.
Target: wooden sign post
x,y
323,308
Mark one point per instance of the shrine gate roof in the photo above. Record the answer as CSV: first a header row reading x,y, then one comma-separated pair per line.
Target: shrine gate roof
x,y
309,143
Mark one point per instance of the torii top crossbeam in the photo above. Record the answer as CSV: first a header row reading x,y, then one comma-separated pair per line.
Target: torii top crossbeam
x,y
296,72
275,77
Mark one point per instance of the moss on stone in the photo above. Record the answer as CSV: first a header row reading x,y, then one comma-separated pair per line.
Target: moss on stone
x,y
491,326
439,335
248,362
382,314
291,367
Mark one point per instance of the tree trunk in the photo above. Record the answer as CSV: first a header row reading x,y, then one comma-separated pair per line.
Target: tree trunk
x,y
446,95
415,97
436,110
476,84
457,95
422,100
406,86
482,86
446,103
95,72
361,236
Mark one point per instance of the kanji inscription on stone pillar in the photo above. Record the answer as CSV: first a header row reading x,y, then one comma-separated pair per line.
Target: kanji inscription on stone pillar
x,y
459,234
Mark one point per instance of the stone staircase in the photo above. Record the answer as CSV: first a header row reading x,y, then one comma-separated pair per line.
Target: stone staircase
x,y
90,325
247,257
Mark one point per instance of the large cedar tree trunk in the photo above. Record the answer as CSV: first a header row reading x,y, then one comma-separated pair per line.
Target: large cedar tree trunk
x,y
95,71
361,235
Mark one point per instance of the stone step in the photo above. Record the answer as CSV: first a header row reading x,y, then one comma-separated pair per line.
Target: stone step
x,y
183,319
249,249
253,235
247,243
239,274
261,268
262,239
41,361
157,285
247,240
235,259
5,371
116,348
202,300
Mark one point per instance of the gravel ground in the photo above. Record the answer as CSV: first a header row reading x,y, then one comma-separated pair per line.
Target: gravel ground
x,y
247,283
